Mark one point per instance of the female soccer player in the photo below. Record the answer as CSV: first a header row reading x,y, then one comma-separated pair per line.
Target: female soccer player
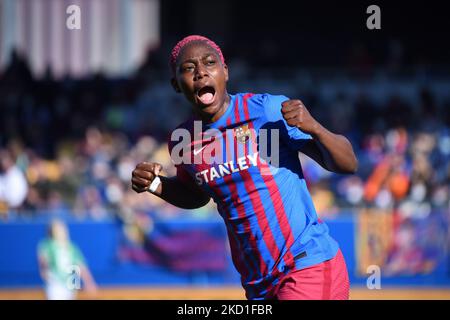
x,y
58,257
279,246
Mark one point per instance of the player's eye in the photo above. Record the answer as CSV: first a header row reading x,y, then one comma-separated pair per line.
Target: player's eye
x,y
187,68
210,62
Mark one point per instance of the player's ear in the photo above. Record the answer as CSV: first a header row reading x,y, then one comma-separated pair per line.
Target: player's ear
x,y
225,70
175,85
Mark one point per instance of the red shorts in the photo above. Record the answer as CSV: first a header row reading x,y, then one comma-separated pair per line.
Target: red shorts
x,y
324,281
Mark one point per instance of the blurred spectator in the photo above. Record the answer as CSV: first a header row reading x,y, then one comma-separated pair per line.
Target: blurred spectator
x,y
324,199
388,183
62,265
13,185
77,140
351,190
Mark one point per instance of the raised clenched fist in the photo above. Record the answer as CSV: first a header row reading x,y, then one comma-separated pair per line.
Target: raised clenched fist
x,y
296,115
143,175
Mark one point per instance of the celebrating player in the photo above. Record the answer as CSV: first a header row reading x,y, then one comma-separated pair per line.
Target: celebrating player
x,y
279,246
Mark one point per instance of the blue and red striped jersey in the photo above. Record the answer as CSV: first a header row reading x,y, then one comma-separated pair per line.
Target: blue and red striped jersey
x,y
249,165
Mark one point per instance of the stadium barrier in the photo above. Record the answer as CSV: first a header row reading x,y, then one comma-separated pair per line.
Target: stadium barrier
x,y
188,250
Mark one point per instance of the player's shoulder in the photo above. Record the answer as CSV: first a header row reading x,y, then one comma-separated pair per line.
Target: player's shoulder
x,y
265,99
257,98
270,104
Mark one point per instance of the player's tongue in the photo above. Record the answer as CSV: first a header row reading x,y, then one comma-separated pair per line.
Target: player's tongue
x,y
206,95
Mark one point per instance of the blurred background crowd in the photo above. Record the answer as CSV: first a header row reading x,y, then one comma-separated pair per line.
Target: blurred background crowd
x,y
80,108
70,145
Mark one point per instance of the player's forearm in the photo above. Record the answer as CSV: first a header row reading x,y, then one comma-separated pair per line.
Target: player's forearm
x,y
336,150
176,193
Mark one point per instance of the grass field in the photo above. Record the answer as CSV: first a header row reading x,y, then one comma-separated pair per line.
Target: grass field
x,y
225,293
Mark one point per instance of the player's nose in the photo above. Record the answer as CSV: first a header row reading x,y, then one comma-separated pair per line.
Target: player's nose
x,y
200,72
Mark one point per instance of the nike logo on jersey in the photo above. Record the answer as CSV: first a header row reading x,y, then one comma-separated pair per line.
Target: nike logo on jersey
x,y
196,152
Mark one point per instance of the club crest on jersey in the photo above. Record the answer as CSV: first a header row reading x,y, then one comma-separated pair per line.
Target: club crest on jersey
x,y
242,133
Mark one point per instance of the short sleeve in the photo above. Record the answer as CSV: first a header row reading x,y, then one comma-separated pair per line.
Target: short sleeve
x,y
292,136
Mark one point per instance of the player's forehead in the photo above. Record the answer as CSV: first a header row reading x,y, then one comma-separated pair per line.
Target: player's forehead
x,y
196,50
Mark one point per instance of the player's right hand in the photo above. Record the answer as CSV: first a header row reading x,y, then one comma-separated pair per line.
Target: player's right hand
x,y
143,175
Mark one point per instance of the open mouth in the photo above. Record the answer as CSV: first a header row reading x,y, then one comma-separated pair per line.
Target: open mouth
x,y
206,95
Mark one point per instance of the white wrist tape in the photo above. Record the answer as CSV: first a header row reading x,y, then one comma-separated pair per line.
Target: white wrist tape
x,y
154,185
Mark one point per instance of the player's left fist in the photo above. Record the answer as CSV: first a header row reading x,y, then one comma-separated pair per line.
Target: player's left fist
x,y
296,115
